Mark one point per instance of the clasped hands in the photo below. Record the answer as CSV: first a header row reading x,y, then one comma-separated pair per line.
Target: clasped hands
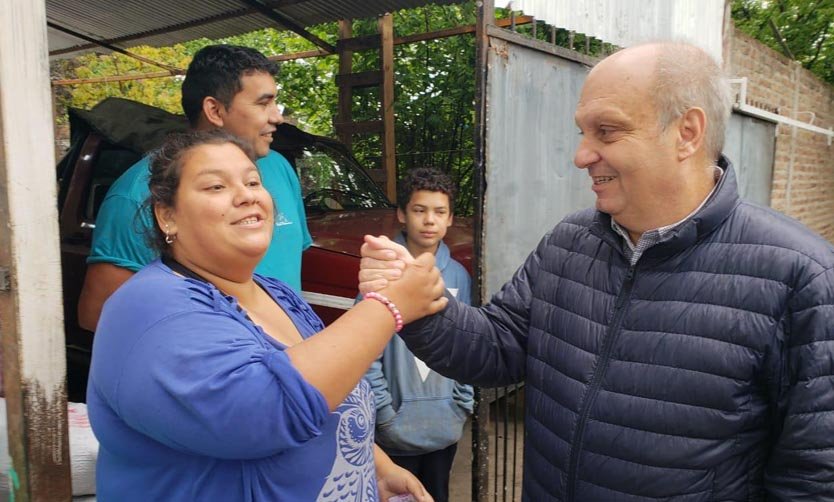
x,y
414,284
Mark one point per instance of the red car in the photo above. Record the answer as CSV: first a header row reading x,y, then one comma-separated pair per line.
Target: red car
x,y
341,201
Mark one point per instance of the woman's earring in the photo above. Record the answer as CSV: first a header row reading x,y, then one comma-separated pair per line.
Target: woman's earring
x,y
169,238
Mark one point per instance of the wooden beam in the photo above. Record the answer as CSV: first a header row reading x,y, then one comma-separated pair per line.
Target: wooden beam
x,y
485,16
409,39
345,113
369,78
361,127
288,23
31,313
159,31
163,74
372,41
299,55
386,64
167,74
114,78
377,176
359,43
102,43
458,30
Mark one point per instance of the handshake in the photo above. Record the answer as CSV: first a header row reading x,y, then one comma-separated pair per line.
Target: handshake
x,y
413,284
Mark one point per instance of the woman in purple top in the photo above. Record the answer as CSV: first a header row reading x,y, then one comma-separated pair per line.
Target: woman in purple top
x,y
209,382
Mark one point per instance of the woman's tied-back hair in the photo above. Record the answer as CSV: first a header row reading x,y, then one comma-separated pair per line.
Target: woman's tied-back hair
x,y
215,72
166,165
425,178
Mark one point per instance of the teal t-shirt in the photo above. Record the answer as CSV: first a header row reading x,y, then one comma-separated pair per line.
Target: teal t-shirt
x,y
122,222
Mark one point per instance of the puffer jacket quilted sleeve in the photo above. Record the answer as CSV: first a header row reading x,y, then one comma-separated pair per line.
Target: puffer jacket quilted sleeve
x,y
801,465
489,347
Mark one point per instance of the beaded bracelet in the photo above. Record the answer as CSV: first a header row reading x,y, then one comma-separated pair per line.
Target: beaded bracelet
x,y
398,318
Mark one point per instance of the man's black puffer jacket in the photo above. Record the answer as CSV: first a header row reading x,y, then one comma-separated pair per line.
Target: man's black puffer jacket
x,y
704,373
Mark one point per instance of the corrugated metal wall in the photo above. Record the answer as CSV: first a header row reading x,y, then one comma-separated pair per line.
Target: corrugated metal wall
x,y
626,22
163,22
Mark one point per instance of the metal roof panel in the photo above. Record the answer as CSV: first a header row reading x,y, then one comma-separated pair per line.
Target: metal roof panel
x,y
128,23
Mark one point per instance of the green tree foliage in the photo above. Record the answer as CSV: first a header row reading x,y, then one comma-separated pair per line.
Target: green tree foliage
x,y
435,85
434,96
162,92
805,27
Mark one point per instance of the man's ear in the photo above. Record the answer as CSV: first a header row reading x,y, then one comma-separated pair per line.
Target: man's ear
x,y
692,128
401,216
213,111
165,219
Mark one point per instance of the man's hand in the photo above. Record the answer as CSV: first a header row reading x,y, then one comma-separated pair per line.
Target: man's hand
x,y
419,292
383,260
101,281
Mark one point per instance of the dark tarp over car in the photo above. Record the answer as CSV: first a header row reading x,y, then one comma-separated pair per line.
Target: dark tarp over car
x,y
128,124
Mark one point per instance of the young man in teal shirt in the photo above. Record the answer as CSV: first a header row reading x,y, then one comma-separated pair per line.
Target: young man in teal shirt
x,y
227,87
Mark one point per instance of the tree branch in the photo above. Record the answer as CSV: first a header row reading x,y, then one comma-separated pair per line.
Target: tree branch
x,y
780,39
819,44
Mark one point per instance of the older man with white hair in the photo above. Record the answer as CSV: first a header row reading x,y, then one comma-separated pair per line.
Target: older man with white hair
x,y
677,342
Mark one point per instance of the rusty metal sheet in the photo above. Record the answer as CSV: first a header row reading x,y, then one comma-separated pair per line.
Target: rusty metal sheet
x,y
750,144
531,138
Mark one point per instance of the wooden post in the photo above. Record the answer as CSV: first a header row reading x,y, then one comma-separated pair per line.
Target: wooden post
x,y
31,315
345,92
480,435
386,55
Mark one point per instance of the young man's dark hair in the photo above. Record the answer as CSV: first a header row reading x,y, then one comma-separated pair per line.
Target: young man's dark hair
x,y
216,71
425,178
229,88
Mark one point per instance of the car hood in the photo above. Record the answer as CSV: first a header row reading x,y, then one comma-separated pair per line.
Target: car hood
x,y
342,232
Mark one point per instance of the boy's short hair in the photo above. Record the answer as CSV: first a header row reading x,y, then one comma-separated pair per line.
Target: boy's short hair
x,y
425,178
216,71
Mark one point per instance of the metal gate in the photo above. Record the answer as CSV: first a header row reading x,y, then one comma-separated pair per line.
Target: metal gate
x,y
532,91
751,144
531,183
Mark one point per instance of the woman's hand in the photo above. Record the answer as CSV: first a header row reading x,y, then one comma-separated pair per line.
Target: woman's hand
x,y
419,292
393,480
383,260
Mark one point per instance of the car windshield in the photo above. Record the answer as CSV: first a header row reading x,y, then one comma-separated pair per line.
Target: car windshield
x,y
332,181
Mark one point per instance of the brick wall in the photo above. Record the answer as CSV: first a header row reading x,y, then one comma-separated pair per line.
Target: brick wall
x,y
803,171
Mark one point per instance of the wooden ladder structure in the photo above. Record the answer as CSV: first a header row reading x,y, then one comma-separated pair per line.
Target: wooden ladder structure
x,y
347,81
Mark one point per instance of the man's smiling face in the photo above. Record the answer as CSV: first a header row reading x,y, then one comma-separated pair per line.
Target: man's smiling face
x,y
253,115
631,162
